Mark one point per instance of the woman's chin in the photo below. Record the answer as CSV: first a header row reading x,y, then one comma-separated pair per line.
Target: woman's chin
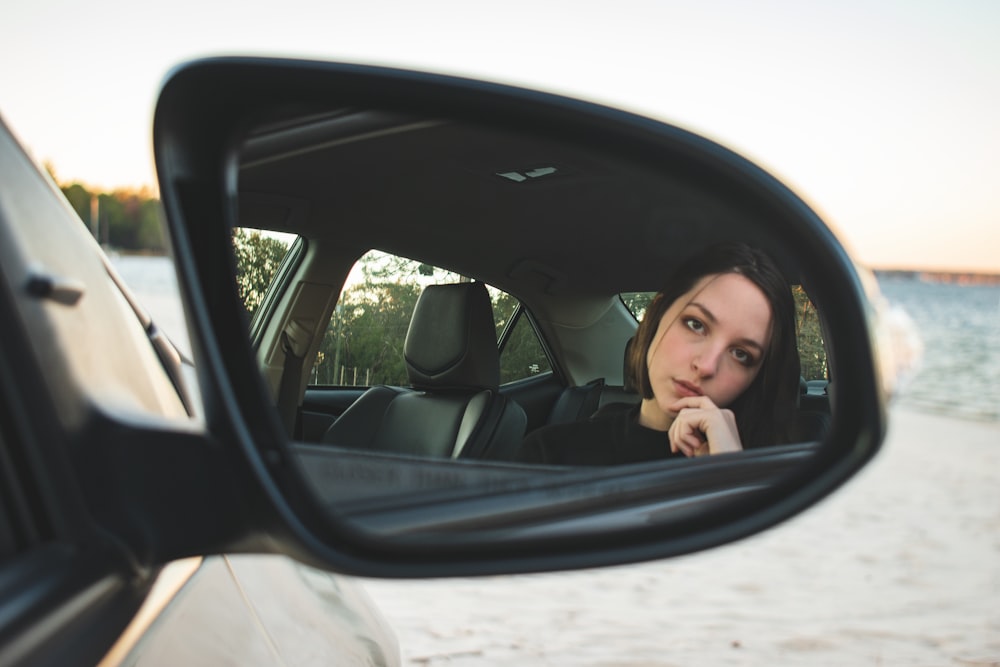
x,y
653,415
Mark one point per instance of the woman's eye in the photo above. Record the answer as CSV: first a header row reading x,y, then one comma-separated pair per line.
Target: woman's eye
x,y
743,357
694,325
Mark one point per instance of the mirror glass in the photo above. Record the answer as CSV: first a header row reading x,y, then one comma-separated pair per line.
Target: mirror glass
x,y
443,309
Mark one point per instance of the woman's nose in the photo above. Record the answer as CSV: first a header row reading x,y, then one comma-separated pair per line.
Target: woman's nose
x,y
706,363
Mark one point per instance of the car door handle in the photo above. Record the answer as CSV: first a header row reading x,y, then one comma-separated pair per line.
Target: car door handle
x,y
44,285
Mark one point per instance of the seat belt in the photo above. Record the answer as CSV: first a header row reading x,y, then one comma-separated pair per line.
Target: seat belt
x,y
294,340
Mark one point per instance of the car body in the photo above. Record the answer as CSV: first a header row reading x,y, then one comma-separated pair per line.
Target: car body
x,y
121,455
77,342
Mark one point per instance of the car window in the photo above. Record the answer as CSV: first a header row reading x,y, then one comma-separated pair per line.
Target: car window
x,y
363,343
258,256
521,353
812,351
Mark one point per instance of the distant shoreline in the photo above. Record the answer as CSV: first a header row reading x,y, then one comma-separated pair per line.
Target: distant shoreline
x,y
947,277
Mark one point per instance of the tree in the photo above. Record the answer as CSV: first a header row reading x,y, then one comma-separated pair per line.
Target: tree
x,y
812,353
368,328
257,260
522,354
638,302
127,219
79,198
367,333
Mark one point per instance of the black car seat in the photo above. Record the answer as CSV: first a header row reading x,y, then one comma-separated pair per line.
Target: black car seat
x,y
583,402
453,407
814,418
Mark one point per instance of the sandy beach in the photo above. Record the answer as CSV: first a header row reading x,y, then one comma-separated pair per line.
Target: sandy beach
x,y
899,567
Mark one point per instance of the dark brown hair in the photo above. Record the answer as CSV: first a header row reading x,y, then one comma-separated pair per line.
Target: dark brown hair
x,y
766,410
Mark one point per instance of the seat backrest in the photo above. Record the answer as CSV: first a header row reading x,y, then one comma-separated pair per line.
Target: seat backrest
x,y
453,407
583,401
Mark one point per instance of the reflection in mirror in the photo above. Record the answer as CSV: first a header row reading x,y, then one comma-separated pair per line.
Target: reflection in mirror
x,y
459,307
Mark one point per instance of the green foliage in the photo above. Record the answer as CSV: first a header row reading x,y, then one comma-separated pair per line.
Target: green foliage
x,y
504,308
812,353
522,355
130,220
638,302
366,333
364,342
257,260
79,198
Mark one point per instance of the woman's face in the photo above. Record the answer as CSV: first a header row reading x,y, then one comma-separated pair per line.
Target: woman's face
x,y
711,341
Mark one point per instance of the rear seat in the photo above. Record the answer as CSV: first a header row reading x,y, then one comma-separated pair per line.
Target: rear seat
x,y
579,403
814,418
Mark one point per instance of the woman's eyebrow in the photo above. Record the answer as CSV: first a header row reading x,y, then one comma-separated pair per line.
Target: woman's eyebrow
x,y
704,311
749,342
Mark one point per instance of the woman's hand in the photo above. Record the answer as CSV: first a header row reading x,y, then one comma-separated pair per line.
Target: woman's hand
x,y
701,428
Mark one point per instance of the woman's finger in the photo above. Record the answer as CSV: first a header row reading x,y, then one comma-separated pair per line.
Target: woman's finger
x,y
700,431
685,434
692,402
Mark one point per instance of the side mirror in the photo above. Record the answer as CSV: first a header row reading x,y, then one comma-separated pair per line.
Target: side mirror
x,y
565,204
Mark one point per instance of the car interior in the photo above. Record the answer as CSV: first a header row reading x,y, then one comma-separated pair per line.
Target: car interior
x,y
564,231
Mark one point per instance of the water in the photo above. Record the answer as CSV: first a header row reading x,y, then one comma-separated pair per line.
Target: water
x,y
154,283
958,374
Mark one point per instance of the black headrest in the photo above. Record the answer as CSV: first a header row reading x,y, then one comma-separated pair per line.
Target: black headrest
x,y
452,340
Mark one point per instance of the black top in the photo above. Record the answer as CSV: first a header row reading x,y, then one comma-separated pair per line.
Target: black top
x,y
611,437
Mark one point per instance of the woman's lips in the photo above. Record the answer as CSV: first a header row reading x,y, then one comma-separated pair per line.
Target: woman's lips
x,y
686,389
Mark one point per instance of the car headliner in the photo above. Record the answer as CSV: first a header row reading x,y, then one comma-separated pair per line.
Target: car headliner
x,y
434,190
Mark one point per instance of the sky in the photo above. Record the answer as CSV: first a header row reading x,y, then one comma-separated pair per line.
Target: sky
x,y
884,116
